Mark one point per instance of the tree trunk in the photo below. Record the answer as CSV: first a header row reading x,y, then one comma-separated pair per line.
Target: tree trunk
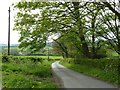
x,y
93,38
85,49
118,39
117,27
63,48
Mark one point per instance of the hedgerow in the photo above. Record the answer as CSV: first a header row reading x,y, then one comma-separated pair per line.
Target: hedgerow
x,y
104,64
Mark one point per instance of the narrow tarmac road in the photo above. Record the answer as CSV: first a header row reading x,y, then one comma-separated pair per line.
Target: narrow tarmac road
x,y
72,79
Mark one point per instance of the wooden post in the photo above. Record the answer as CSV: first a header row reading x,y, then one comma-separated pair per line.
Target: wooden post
x,y
9,32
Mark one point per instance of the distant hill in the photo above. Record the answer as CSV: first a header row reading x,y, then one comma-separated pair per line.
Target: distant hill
x,y
7,45
14,44
3,44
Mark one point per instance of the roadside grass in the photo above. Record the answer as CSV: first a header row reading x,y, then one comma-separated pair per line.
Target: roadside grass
x,y
27,74
108,76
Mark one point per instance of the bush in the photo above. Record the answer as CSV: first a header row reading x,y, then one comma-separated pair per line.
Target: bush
x,y
31,58
6,58
104,64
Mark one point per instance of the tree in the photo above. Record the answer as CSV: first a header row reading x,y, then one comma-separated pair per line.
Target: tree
x,y
79,25
48,17
111,5
110,29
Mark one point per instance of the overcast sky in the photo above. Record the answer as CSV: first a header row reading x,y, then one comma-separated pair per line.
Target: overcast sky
x,y
4,6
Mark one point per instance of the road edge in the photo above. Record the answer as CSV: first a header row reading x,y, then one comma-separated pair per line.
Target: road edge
x,y
57,79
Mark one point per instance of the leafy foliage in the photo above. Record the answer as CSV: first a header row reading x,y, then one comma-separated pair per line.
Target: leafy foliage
x,y
83,29
104,64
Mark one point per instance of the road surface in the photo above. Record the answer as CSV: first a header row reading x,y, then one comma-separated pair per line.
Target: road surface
x,y
72,79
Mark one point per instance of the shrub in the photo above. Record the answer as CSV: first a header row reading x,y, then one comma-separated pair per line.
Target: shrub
x,y
31,58
6,58
104,64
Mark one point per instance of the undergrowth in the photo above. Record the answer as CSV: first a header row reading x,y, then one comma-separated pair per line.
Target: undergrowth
x,y
27,73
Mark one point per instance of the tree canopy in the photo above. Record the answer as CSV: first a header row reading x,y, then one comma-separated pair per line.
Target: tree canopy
x,y
82,28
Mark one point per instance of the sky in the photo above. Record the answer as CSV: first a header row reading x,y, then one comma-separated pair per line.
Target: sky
x,y
4,6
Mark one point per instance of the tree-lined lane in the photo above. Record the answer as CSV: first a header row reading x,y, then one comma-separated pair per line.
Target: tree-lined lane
x,y
72,79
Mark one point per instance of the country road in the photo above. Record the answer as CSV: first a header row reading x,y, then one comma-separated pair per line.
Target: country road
x,y
72,79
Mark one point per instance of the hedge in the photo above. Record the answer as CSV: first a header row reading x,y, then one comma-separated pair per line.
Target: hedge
x,y
106,64
6,58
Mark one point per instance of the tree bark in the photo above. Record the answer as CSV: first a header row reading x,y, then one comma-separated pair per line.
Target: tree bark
x,y
85,49
93,37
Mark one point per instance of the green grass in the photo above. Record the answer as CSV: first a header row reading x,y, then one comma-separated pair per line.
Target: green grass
x,y
109,76
27,74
